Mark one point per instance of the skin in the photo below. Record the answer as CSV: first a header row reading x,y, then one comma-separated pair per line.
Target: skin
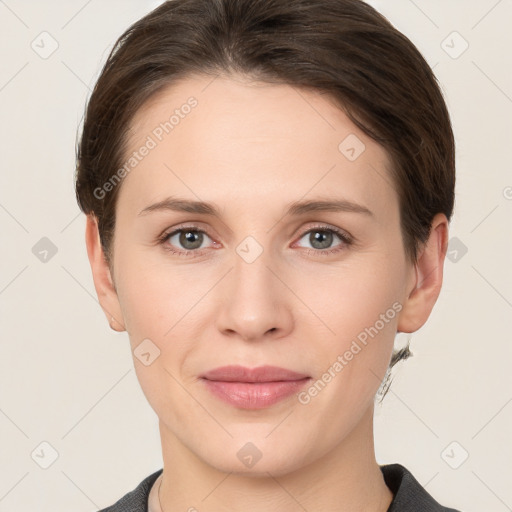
x,y
252,149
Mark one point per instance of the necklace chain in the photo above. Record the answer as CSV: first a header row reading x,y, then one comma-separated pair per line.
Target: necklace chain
x,y
158,494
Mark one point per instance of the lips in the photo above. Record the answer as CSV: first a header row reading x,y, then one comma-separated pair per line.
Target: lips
x,y
253,388
260,374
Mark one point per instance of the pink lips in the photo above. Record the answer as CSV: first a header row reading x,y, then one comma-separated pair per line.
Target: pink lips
x,y
253,388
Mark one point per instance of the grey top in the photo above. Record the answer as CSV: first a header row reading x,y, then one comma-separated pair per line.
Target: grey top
x,y
409,495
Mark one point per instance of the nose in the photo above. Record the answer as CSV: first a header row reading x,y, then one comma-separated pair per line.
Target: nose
x,y
255,304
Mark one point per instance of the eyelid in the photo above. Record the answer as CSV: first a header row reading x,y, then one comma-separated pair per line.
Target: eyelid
x,y
322,226
183,227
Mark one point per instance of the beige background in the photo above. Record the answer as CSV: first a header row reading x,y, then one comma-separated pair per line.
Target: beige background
x,y
66,379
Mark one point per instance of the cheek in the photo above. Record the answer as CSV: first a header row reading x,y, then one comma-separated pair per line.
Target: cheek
x,y
354,297
359,311
160,302
350,364
157,308
155,296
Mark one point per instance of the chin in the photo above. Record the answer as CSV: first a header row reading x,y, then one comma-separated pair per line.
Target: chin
x,y
256,458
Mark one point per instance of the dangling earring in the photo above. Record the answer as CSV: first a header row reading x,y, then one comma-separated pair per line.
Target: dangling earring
x,y
400,353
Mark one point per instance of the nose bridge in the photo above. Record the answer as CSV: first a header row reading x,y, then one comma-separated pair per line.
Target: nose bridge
x,y
252,278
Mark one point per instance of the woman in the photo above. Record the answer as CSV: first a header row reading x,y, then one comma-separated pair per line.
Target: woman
x,y
268,186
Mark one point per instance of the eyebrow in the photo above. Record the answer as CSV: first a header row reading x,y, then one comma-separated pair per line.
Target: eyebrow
x,y
296,208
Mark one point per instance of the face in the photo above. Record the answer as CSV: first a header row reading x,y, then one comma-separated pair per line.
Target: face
x,y
297,263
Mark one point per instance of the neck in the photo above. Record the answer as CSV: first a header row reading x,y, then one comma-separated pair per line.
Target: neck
x,y
347,478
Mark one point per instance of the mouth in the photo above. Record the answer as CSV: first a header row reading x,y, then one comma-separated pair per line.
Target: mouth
x,y
253,388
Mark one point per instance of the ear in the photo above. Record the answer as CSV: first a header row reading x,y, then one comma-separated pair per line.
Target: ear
x,y
429,277
103,282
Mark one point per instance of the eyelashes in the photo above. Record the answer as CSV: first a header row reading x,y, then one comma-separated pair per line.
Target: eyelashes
x,y
196,233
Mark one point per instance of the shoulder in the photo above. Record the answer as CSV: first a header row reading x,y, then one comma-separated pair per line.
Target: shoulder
x,y
136,500
408,492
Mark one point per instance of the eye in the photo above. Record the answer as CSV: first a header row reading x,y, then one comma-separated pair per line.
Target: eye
x,y
187,240
322,237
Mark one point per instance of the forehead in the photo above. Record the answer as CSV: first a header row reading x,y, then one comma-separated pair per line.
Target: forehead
x,y
226,137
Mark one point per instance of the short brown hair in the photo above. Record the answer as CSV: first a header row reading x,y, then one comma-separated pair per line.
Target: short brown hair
x,y
344,48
